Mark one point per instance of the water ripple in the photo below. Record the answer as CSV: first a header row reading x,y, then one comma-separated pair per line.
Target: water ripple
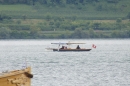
x,y
108,65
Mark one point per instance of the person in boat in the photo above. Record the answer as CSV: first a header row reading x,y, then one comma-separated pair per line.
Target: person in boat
x,y
78,47
62,47
65,47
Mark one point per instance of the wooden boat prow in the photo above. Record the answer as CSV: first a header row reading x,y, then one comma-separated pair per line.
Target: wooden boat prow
x,y
16,78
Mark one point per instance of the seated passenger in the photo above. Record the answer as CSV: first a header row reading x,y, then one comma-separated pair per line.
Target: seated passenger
x,y
78,47
65,47
62,47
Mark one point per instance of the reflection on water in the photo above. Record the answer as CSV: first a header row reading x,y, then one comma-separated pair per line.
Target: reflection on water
x,y
107,65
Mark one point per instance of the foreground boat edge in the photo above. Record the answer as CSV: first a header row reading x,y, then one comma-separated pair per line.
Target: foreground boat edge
x,y
16,77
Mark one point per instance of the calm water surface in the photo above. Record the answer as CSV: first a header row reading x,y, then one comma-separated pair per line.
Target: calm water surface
x,y
107,65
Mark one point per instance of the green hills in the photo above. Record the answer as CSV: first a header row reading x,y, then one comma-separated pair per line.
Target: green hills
x,y
59,19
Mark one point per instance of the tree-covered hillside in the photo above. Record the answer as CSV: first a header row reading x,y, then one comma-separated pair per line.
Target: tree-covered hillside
x,y
85,9
59,2
118,5
64,19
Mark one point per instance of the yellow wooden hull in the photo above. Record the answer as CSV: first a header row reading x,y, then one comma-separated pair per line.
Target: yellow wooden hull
x,y
16,78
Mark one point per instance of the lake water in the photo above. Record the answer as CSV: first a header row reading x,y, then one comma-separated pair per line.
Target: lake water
x,y
107,65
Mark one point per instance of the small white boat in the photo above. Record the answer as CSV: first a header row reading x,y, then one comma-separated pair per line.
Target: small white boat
x,y
64,48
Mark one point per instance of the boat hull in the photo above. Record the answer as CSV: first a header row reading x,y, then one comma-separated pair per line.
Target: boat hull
x,y
75,50
16,78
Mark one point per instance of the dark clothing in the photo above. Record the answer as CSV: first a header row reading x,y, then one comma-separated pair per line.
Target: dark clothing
x,y
62,47
78,47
